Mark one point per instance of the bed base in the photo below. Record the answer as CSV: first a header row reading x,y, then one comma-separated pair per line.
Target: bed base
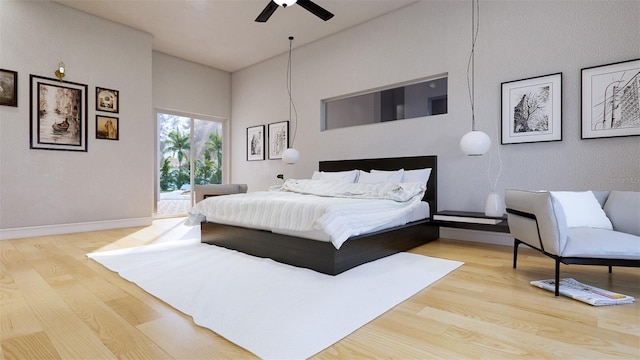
x,y
323,256
317,255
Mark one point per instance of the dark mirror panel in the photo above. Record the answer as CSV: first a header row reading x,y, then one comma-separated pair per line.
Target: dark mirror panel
x,y
419,99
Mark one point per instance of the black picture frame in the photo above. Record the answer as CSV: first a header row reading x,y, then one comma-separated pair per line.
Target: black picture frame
x,y
255,143
610,100
58,114
107,127
278,139
532,110
107,100
8,88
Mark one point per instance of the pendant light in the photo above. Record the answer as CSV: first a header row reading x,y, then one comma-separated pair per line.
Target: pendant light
x,y
290,155
474,142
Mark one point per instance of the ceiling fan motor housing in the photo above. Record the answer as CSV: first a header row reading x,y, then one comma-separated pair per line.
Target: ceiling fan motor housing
x,y
309,5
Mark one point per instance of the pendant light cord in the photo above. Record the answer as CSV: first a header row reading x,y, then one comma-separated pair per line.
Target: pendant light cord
x,y
471,85
475,25
291,104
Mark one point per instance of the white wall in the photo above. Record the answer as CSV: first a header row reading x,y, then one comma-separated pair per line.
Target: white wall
x,y
517,40
186,86
111,184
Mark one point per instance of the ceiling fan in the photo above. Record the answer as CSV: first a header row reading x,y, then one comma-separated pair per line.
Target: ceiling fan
x,y
307,4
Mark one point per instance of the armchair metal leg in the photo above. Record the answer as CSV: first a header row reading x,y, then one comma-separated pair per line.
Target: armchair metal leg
x,y
557,277
516,242
610,269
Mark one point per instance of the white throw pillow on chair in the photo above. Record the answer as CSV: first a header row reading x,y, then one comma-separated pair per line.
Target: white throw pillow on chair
x,y
581,209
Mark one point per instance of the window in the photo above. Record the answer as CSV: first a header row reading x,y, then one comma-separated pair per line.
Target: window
x,y
190,152
425,97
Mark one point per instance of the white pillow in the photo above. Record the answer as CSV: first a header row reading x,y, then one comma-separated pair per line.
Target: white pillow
x,y
418,175
581,209
341,176
380,176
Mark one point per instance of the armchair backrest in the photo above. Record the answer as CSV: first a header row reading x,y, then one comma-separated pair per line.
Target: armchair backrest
x,y
204,191
623,209
532,220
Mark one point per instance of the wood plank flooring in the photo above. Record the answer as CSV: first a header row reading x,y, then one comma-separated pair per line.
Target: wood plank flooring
x,y
58,304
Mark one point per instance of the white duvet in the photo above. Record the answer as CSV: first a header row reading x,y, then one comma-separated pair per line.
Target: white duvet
x,y
341,210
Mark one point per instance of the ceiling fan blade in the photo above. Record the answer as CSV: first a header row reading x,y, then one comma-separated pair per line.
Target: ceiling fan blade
x,y
315,9
267,12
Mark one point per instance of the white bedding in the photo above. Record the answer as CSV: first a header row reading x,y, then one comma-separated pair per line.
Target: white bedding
x,y
341,211
420,212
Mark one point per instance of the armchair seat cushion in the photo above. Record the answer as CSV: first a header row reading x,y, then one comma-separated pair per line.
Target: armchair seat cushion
x,y
601,243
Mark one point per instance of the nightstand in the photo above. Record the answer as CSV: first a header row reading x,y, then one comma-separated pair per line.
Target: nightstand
x,y
469,220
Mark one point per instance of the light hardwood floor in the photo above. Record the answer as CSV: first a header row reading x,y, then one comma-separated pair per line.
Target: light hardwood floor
x,y
57,303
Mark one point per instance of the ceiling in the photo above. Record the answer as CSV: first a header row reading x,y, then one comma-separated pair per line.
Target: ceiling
x,y
223,34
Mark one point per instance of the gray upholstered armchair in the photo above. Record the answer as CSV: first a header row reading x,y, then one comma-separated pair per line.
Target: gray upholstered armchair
x,y
590,228
205,191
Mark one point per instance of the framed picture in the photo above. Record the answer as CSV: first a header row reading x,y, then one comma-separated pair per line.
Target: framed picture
x,y
610,100
532,110
278,139
107,127
58,115
255,143
8,88
107,100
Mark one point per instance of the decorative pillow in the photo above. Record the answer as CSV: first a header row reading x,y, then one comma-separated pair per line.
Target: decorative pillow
x,y
623,209
581,209
419,175
380,176
341,176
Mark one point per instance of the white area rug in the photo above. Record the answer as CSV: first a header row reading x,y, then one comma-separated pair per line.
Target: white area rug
x,y
273,310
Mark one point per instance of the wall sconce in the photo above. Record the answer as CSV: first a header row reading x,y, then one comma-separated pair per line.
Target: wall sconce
x,y
60,71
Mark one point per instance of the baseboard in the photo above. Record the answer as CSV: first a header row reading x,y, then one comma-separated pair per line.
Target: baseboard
x,y
17,233
32,231
486,237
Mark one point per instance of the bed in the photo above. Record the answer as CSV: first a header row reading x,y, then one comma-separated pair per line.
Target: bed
x,y
323,256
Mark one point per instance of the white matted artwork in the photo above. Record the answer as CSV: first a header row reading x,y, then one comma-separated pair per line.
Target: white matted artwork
x,y
107,100
58,114
610,100
255,143
278,139
532,109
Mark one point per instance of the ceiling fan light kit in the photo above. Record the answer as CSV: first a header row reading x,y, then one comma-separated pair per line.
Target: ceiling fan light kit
x,y
309,5
285,3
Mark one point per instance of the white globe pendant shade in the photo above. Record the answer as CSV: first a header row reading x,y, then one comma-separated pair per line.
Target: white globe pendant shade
x,y
285,2
475,143
290,156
